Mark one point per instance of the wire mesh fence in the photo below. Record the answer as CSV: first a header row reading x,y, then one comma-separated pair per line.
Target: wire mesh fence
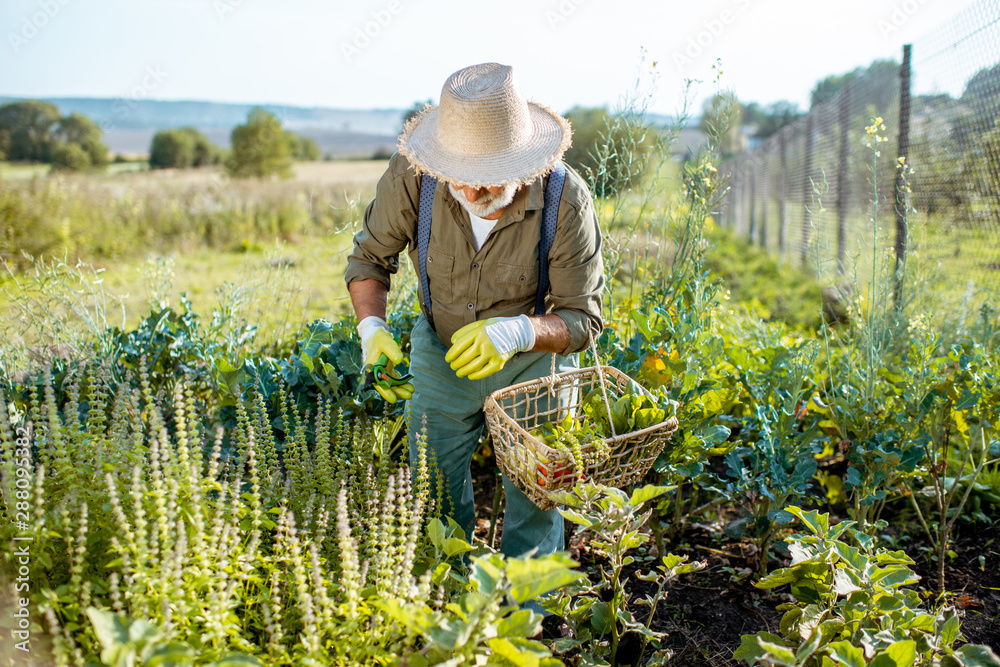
x,y
816,193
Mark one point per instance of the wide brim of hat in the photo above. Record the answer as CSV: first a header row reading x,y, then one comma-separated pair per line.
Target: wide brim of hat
x,y
550,137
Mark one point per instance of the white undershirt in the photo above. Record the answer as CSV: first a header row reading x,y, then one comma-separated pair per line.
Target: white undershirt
x,y
481,228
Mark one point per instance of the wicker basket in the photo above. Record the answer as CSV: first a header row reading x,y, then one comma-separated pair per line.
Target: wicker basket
x,y
539,469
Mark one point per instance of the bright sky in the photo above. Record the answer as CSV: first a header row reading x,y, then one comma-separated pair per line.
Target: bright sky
x,y
390,53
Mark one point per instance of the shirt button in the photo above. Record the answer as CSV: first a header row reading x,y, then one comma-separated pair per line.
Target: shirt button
x,y
521,279
471,306
430,259
475,265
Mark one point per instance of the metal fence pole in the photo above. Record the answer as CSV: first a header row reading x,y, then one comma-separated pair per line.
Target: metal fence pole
x,y
807,188
766,192
752,231
904,152
843,184
782,193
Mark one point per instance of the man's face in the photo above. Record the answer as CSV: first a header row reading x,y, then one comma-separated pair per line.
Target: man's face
x,y
485,202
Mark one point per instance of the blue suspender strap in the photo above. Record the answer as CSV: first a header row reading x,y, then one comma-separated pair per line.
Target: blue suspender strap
x,y
550,213
428,184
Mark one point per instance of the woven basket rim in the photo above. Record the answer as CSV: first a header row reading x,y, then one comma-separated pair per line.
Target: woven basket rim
x,y
492,404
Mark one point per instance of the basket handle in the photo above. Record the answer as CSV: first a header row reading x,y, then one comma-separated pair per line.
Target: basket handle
x,y
600,378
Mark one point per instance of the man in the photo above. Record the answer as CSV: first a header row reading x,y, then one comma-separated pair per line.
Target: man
x,y
489,151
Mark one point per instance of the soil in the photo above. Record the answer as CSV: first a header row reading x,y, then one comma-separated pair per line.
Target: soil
x,y
705,613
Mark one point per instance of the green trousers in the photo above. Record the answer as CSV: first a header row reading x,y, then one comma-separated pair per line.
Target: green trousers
x,y
453,409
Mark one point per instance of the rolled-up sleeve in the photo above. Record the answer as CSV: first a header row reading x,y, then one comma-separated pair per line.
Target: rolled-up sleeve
x,y
388,227
576,273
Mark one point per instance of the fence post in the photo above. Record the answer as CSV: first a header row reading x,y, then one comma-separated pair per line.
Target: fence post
x,y
734,195
766,194
843,185
752,231
807,188
782,193
904,152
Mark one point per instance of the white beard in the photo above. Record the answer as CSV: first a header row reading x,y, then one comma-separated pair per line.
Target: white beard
x,y
488,203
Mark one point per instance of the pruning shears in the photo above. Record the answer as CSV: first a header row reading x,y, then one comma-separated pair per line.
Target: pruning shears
x,y
378,374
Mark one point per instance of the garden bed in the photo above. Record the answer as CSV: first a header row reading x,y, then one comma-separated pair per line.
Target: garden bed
x,y
707,612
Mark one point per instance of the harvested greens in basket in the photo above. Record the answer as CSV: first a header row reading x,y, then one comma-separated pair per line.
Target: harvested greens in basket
x,y
592,426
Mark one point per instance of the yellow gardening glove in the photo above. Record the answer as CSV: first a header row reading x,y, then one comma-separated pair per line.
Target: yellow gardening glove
x,y
481,348
376,340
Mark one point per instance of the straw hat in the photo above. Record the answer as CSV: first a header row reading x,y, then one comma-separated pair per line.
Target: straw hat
x,y
484,132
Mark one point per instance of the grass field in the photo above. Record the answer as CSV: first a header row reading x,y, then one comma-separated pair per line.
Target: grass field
x,y
291,278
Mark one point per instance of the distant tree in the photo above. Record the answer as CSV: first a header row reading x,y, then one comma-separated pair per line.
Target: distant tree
x,y
203,151
79,130
611,151
771,118
885,71
415,109
981,106
304,148
28,126
825,89
171,149
70,157
260,148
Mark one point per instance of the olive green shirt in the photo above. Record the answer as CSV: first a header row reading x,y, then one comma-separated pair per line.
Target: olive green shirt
x,y
501,278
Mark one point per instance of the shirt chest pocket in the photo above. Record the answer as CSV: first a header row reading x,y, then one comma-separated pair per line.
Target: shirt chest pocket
x,y
514,282
440,268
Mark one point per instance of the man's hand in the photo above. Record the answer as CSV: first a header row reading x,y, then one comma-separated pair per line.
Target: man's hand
x,y
481,348
377,340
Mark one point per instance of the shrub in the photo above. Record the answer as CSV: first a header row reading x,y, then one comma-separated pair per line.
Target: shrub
x,y
70,157
260,148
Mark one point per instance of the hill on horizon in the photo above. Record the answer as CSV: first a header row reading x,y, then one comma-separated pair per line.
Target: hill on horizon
x,y
129,124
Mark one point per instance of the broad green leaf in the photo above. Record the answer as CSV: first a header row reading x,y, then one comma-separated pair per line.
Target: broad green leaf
x,y
977,655
108,627
521,623
851,555
435,531
923,622
777,654
777,578
817,524
505,649
452,546
844,653
531,578
843,584
142,630
576,517
903,653
601,618
750,651
167,655
894,576
648,492
949,631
